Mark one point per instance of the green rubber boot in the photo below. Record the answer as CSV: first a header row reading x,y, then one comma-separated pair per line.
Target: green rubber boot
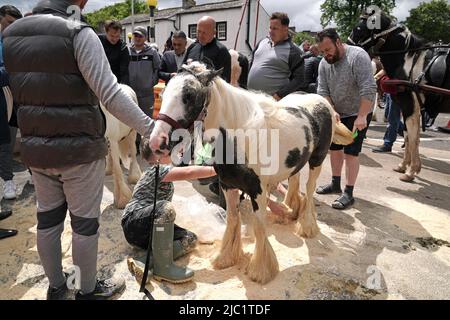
x,y
137,265
163,253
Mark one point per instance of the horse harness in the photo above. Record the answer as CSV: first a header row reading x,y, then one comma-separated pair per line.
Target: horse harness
x,y
436,69
201,116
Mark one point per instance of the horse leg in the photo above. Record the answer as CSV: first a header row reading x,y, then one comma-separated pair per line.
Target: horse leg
x,y
108,169
401,168
231,248
307,224
413,125
122,193
134,173
375,107
293,198
263,265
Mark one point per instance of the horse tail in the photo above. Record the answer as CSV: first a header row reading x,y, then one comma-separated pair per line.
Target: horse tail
x,y
342,135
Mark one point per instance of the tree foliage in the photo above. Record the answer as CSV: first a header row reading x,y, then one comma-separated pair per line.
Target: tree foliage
x,y
302,36
431,20
116,11
345,13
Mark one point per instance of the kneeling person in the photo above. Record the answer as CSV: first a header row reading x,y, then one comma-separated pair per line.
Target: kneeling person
x,y
169,241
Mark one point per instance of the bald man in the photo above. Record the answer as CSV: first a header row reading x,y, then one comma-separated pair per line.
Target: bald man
x,y
208,49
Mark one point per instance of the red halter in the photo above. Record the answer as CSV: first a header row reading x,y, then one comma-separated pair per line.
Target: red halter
x,y
176,125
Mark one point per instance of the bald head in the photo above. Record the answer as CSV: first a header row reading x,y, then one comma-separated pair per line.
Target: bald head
x,y
206,30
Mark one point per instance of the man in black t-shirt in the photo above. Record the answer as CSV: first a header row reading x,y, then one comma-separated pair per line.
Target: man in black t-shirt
x,y
116,51
208,49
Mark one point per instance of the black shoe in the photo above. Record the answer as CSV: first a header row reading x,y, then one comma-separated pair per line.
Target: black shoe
x,y
104,290
383,148
5,214
59,293
328,189
6,233
343,202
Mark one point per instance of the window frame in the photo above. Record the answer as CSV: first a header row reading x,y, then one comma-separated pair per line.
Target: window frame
x,y
223,23
190,28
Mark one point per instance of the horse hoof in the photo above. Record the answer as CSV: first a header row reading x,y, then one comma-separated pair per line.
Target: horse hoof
x,y
221,262
399,170
406,178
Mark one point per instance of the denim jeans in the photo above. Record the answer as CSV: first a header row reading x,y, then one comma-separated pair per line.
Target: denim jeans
x,y
395,124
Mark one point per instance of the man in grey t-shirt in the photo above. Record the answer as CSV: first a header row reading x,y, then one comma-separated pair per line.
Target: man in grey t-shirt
x,y
346,81
277,66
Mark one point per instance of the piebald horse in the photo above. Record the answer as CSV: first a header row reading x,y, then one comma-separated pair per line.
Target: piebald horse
x,y
404,58
121,142
306,125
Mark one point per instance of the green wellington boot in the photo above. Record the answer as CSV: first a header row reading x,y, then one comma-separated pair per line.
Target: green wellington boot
x,y
163,254
137,265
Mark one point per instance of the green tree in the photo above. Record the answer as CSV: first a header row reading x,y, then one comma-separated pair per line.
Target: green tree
x,y
431,20
116,11
345,13
303,36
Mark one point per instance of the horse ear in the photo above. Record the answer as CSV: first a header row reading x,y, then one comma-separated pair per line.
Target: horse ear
x,y
208,76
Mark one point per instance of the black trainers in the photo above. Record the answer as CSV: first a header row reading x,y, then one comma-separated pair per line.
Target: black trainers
x,y
383,148
104,290
5,214
59,293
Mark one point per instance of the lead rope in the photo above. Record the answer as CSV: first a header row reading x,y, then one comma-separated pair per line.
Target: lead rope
x,y
149,248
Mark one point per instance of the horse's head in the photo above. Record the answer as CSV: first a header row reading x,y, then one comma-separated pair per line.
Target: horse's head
x,y
185,100
369,32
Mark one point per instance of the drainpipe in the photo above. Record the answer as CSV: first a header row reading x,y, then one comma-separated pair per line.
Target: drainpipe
x,y
257,22
247,40
132,15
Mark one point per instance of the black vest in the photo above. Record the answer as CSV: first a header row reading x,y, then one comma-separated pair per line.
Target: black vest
x,y
59,117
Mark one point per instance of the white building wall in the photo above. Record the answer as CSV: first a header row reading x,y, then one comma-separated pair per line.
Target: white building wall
x,y
232,16
262,30
162,30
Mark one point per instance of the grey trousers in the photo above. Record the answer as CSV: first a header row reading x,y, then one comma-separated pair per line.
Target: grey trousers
x,y
6,172
78,189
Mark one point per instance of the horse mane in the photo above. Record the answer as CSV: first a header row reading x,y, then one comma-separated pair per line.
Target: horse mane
x,y
261,109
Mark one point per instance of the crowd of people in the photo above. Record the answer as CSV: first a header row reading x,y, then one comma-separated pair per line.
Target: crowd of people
x,y
56,88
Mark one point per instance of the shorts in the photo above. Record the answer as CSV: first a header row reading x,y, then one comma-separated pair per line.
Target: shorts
x,y
355,148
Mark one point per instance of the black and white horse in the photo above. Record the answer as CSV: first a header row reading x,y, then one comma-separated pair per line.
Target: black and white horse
x,y
305,125
404,58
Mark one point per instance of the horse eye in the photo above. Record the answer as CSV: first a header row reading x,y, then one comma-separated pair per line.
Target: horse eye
x,y
187,98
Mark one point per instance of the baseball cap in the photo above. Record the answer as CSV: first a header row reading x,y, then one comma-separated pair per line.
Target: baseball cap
x,y
141,31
